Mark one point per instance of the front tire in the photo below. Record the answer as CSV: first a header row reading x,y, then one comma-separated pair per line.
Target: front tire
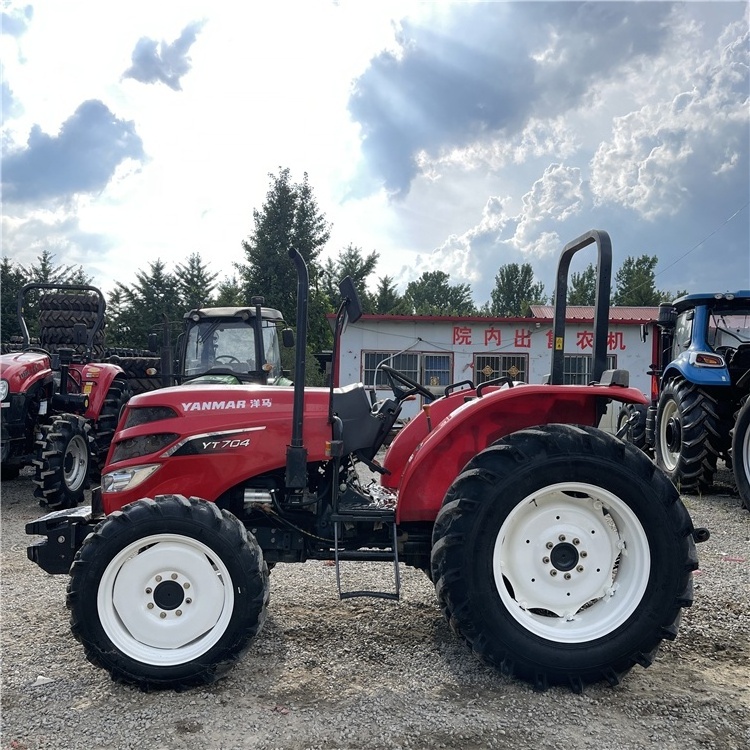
x,y
168,593
635,432
741,453
62,462
688,435
563,556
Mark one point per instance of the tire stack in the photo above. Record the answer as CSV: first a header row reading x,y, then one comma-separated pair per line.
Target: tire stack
x,y
59,313
142,368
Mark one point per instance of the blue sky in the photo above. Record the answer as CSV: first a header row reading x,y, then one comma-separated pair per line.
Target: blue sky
x,y
453,136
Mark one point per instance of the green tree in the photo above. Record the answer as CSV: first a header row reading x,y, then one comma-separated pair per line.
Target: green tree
x,y
387,300
634,283
12,277
515,291
45,271
432,294
582,287
229,293
195,283
289,218
351,262
137,310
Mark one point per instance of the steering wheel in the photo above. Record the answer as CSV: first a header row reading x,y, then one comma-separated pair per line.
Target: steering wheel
x,y
397,380
228,357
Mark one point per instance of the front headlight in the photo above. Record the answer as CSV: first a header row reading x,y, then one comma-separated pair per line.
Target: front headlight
x,y
3,390
127,479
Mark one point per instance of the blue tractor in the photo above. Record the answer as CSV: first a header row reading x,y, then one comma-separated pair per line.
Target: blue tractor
x,y
700,391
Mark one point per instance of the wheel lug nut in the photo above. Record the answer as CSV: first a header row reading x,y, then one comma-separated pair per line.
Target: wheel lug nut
x,y
553,572
178,612
584,553
567,576
163,615
150,605
188,601
576,541
580,568
549,545
561,537
149,590
545,560
158,578
174,576
186,585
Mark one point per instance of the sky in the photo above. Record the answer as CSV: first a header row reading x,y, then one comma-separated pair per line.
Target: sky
x,y
453,136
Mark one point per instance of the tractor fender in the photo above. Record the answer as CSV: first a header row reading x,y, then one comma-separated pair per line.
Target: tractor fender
x,y
682,367
474,424
96,380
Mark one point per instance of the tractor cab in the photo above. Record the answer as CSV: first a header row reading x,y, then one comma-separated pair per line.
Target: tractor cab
x,y
232,345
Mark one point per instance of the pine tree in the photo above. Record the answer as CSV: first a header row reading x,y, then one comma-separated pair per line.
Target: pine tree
x,y
634,283
582,288
351,262
515,291
195,284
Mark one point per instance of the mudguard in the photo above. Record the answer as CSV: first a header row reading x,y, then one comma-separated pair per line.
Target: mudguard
x,y
443,439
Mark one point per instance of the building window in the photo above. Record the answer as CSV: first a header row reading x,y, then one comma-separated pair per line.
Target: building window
x,y
492,366
577,368
426,369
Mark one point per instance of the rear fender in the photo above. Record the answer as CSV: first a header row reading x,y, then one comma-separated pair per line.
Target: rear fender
x,y
703,376
475,424
96,380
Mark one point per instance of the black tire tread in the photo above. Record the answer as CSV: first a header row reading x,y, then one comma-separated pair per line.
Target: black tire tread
x,y
471,492
168,513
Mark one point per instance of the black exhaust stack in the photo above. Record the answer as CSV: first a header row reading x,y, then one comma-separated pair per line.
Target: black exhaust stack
x,y
296,453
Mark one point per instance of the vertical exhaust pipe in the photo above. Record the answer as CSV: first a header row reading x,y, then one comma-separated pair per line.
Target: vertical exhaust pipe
x,y
296,454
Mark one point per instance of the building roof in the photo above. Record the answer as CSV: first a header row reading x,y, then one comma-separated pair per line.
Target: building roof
x,y
624,314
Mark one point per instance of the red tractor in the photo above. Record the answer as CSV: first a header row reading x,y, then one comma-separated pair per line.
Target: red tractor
x,y
559,553
60,409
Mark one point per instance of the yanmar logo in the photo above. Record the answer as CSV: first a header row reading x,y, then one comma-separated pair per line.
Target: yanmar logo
x,y
213,405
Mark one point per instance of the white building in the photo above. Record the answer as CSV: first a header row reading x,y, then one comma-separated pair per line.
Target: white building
x,y
439,350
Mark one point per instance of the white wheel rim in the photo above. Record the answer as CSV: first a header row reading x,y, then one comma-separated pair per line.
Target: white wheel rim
x,y
745,454
165,599
571,568
669,412
75,463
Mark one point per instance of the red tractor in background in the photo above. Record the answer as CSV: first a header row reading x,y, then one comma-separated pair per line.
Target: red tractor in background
x,y
559,553
60,403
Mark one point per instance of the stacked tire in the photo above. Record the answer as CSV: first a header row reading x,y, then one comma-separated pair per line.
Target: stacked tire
x,y
59,313
141,372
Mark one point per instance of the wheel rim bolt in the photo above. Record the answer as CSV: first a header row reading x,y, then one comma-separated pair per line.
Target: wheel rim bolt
x,y
163,615
150,605
580,568
178,612
174,576
158,579
561,537
576,541
567,576
186,585
549,545
545,560
188,601
149,590
584,553
553,573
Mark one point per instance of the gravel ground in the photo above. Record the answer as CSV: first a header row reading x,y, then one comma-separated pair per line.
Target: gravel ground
x,y
368,674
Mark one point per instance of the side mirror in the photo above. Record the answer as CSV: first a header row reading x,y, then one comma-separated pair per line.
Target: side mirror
x,y
350,299
287,338
153,342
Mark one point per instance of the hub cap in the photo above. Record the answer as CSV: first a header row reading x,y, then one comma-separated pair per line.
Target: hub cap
x,y
670,435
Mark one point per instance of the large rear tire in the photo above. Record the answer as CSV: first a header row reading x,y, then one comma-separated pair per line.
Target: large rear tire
x,y
688,435
62,462
741,453
168,593
563,556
